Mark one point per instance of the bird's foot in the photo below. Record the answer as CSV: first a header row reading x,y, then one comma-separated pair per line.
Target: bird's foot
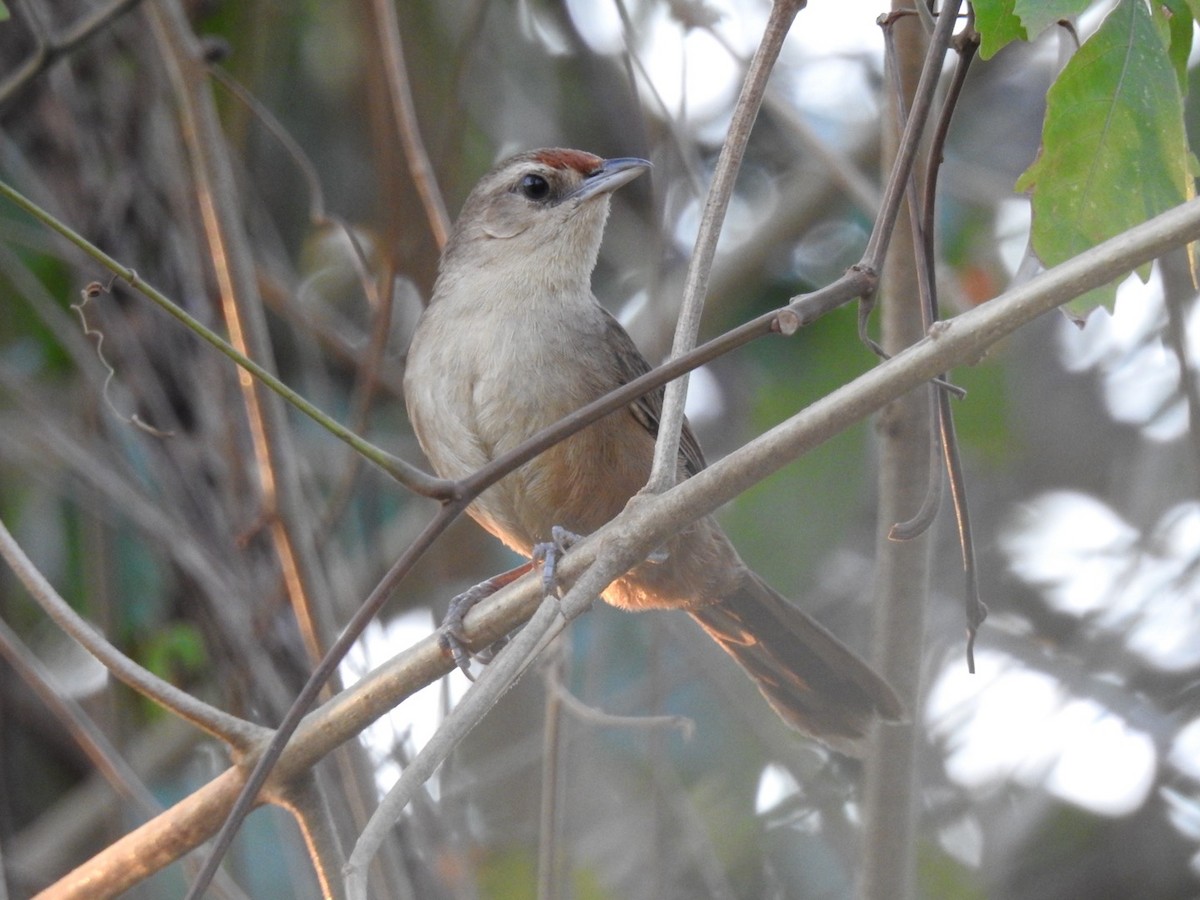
x,y
548,553
453,637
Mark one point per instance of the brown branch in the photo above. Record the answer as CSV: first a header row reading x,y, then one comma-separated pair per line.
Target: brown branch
x,y
241,306
405,117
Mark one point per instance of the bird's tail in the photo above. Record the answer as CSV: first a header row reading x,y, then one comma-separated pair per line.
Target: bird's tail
x,y
812,680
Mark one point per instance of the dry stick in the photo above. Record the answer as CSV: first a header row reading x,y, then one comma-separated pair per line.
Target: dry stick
x,y
312,688
914,128
239,733
496,679
901,577
598,718
922,241
975,609
232,263
666,447
405,113
50,51
366,378
967,43
549,859
635,533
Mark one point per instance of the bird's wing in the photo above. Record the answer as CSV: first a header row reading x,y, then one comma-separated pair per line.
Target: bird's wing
x,y
647,409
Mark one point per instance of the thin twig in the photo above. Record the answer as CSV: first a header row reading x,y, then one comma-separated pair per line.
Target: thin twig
x,y
496,679
920,225
976,611
598,717
549,854
929,308
312,688
666,448
407,127
914,129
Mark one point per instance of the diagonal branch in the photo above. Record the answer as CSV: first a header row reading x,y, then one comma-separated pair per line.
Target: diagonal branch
x,y
627,540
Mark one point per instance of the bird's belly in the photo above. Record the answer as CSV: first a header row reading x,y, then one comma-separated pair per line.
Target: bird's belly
x,y
578,484
485,415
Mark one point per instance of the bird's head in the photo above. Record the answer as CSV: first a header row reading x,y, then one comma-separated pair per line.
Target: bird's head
x,y
539,214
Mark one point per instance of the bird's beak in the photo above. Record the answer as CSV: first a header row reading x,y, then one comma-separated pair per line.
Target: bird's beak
x,y
612,174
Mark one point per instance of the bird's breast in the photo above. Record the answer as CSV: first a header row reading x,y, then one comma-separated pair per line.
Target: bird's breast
x,y
482,393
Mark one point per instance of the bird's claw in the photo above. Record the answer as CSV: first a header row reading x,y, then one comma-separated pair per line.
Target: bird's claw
x,y
453,636
548,553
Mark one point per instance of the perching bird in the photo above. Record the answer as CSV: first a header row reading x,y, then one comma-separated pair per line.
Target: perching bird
x,y
514,340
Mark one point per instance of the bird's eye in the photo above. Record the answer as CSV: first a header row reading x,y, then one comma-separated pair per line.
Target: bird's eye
x,y
535,187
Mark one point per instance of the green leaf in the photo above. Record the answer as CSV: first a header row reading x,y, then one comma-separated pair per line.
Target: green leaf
x,y
997,26
1038,15
1175,19
4,13
1114,150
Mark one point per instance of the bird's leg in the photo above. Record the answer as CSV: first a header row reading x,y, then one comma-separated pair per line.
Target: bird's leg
x,y
454,639
548,553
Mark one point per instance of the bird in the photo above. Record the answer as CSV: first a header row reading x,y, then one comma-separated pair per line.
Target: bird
x,y
512,340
